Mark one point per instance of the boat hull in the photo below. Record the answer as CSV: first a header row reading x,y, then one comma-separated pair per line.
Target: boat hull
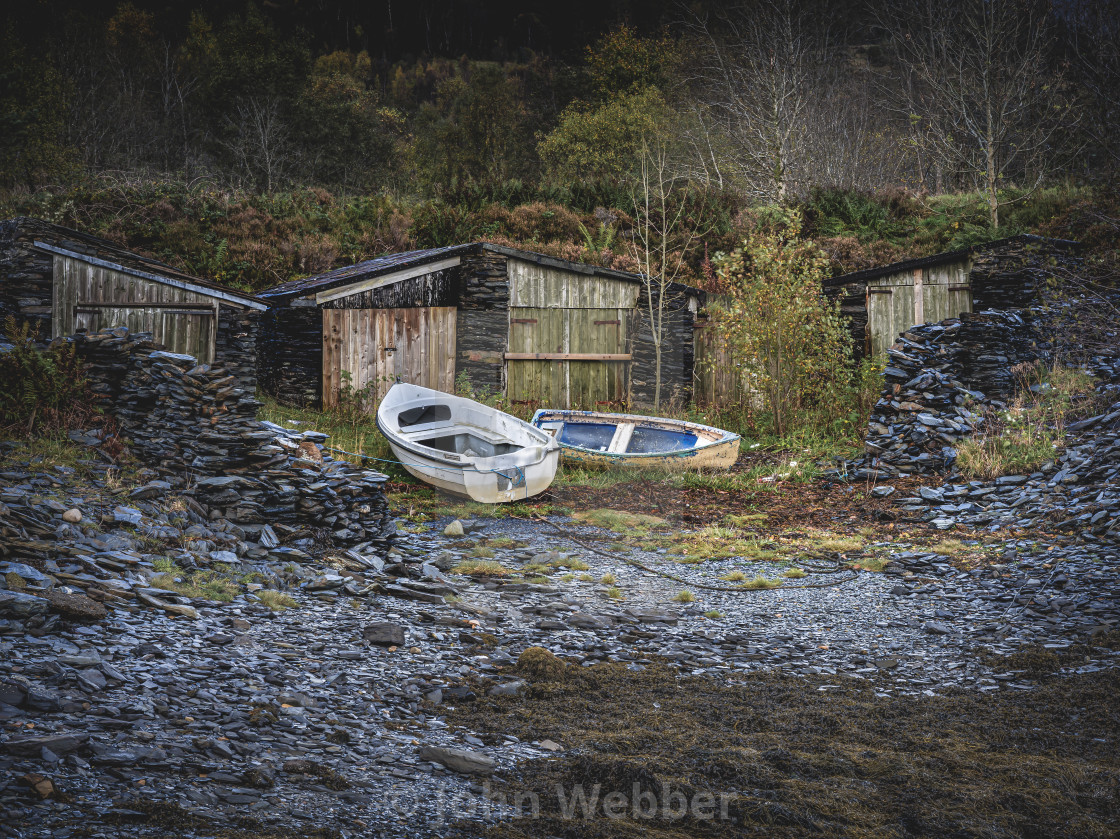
x,y
466,448
690,446
491,486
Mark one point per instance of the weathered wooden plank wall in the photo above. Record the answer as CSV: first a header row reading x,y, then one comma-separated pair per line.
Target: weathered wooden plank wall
x,y
560,312
367,350
717,379
563,382
84,294
897,302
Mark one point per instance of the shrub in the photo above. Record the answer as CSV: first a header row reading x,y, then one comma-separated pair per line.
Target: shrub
x,y
42,390
791,344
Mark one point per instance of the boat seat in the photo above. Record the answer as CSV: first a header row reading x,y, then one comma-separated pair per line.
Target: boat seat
x,y
621,438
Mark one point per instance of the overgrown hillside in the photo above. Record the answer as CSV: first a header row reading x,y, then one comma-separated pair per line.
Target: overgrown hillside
x,y
254,240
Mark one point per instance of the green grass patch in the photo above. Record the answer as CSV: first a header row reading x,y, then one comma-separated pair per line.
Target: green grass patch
x,y
275,600
212,584
619,521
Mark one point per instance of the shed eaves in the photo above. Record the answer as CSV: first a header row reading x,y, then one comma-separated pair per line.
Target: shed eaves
x,y
943,258
390,263
86,246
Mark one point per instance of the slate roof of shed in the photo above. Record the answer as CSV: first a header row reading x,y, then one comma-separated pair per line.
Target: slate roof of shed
x,y
388,264
89,247
946,257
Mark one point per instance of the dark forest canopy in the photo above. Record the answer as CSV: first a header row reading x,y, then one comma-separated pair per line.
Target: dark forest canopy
x,y
548,124
393,30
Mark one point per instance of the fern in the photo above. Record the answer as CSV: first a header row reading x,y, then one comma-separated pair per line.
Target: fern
x,y
44,389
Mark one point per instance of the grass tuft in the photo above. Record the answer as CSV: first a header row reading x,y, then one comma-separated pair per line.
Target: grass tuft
x,y
481,568
275,600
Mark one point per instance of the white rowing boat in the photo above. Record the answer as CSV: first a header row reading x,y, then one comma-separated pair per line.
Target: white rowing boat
x,y
464,447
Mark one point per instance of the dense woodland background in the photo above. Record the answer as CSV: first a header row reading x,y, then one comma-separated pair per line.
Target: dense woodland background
x,y
253,142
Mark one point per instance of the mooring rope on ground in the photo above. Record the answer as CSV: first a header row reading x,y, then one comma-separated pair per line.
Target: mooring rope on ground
x,y
813,569
520,472
691,583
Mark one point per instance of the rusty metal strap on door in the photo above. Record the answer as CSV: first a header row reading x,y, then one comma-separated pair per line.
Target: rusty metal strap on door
x,y
566,356
522,320
608,323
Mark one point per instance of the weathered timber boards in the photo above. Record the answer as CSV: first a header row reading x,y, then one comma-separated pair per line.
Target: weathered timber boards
x,y
567,357
540,286
366,350
718,381
92,297
897,302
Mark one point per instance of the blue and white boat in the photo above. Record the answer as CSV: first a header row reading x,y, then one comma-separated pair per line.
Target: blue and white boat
x,y
597,439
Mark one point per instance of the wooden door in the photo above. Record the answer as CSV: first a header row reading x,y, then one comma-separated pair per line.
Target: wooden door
x,y
890,311
567,358
365,351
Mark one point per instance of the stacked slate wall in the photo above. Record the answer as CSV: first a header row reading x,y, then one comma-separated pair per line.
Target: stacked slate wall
x,y
291,355
26,276
939,380
482,327
678,350
196,426
1012,275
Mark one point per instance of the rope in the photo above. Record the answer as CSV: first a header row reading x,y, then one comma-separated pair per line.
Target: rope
x,y
690,583
513,484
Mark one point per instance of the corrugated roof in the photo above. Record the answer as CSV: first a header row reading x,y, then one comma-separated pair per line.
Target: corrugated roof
x,y
942,258
341,277
95,249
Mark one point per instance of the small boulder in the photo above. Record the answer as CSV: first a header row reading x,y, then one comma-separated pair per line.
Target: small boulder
x,y
508,688
75,607
463,761
454,529
72,516
384,634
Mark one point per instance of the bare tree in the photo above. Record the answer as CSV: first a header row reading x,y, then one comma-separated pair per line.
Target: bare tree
x,y
977,73
665,228
759,69
259,140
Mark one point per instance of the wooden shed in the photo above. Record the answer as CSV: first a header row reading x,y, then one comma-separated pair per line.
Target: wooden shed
x,y
881,303
536,328
65,282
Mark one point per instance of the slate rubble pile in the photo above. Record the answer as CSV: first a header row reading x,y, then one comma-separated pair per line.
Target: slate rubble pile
x,y
196,421
939,380
1078,492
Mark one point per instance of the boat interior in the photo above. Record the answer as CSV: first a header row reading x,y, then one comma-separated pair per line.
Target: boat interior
x,y
621,438
432,425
